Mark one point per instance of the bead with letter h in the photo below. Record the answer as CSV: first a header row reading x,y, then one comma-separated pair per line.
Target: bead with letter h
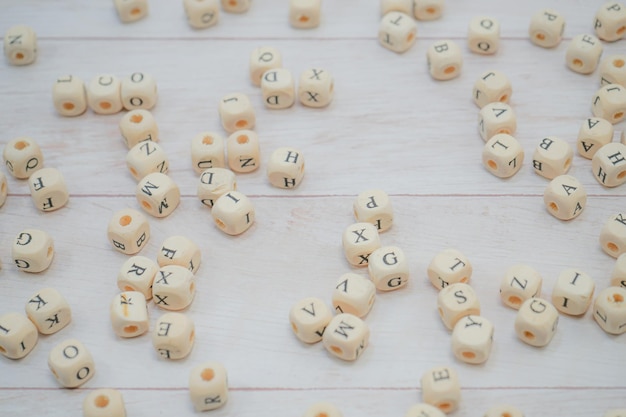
x,y
181,251
536,322
129,314
573,292
490,87
594,133
104,94
397,32
173,287
23,157
610,22
316,88
552,157
444,60
20,45
583,54
308,318
609,164
69,96
565,197
354,294
128,231
441,388
208,386
456,301
388,268
173,336
145,158
609,310
546,28
472,338
32,250
262,60
233,213
214,183
137,274
483,36
359,241
18,335
346,336
202,14
236,112
71,363
104,402
138,91
207,151
285,168
520,282
448,267
49,311
158,194
374,206
278,88
613,235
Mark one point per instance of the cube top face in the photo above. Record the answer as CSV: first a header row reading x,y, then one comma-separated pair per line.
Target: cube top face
x,y
48,310
233,213
445,60
207,151
503,155
309,318
374,206
236,112
552,157
536,322
22,157
139,91
397,32
69,96
424,410
610,21
546,28
448,267
323,409
32,250
261,60
613,70
71,363
520,282
359,241
346,336
208,386
441,388
20,45
104,402
609,164
181,251
609,310
594,133
18,335
573,292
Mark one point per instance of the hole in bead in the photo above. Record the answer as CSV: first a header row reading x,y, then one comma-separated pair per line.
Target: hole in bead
x,y
294,327
492,164
101,401
553,206
207,140
68,106
303,19
322,414
504,98
242,139
431,10
529,335
567,164
618,63
135,11
50,252
131,329
612,247
136,118
621,175
445,407
621,30
336,349
146,205
232,3
192,336
19,55
449,70
207,374
19,145
468,355
504,130
128,288
241,124
133,171
506,414
515,300
2,349
618,115
410,37
577,63
540,37
617,298
220,224
125,220
105,105
464,280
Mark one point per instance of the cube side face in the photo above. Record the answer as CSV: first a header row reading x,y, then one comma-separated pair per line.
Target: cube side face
x,y
208,386
609,310
359,240
18,335
32,250
49,311
354,294
71,363
472,339
309,318
448,267
613,235
137,274
173,336
441,388
536,322
519,283
346,337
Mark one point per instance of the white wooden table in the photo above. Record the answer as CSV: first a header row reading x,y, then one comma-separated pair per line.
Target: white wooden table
x,y
390,126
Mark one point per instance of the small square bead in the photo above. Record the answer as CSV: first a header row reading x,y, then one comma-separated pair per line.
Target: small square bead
x,y
129,314
214,183
618,274
316,88
202,14
613,235
573,292
565,197
208,386
48,190
181,251
472,338
546,28
32,250
491,87
428,9
104,94
609,310
354,294
609,164
609,103
243,151
207,151
359,240
158,194
397,32
404,6
449,267
610,21
346,336
69,96
594,133
424,410
173,336
128,231
137,274
503,155
236,6
20,45
483,36
388,268
520,282
71,363
4,189
262,60
613,70
552,157
305,14
18,335
233,213
615,413
456,301
374,206
174,287
22,157
138,126
139,91
441,388
278,88
495,118
145,158
583,54
445,60
309,318
504,410
236,112
536,322
131,10
285,168
48,310
104,402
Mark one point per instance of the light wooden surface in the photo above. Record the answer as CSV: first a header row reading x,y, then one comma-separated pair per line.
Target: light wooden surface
x,y
390,126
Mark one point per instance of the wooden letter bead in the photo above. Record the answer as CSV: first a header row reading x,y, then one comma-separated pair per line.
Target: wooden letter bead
x,y
145,158
202,14
174,287
491,87
104,402
69,96
20,45
449,267
131,10
128,231
573,292
615,413
48,190
546,28
609,310
503,155
181,251
455,302
243,151
609,164
613,70
354,294
71,363
472,338
4,189
214,183
618,275
104,94
236,112
137,274
483,36
235,6
552,157
173,336
403,6
444,60
441,388
536,322
359,241
496,118
613,235
157,194
48,311
308,318
323,409
207,151
374,206
285,168
233,213
428,9
138,126
583,54
593,134
346,336
565,197
32,250
305,14
609,103
278,88
22,157
316,88
208,386
263,59
18,335
610,23
504,410
520,282
424,410
388,268
129,314
397,32
139,91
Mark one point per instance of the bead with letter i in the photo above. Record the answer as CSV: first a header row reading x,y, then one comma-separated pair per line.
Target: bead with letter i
x,y
441,388
208,386
71,363
22,157
359,240
128,231
374,206
573,292
48,310
397,32
608,164
346,337
158,194
173,336
104,402
445,60
309,318
69,96
32,250
18,335
565,197
20,45
546,28
233,213
483,35
285,168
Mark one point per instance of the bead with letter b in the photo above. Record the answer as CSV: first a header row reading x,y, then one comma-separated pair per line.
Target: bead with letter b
x,y
552,157
71,363
445,60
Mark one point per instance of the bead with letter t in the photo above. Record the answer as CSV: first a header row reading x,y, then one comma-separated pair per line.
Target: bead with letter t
x,y
48,189
128,231
158,194
208,386
441,388
71,363
374,206
346,336
448,267
173,336
32,250
48,310
18,335
359,241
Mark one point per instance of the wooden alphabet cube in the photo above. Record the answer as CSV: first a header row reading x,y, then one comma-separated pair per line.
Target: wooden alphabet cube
x,y
4,189
278,89
285,168
181,251
613,70
491,87
20,45
616,413
449,267
104,402
565,197
354,294
609,310
546,28
472,338
207,151
609,164
243,151
139,91
236,112
552,157
496,118
202,14
316,88
323,409
129,314
233,213
309,318
388,268
404,6
262,60
145,158
22,157
573,292
504,410
173,287
236,6
444,60
483,35
69,96
424,410
455,302
610,21
131,10
305,14
208,386
32,250
158,194
594,133
428,9
137,274
583,54
346,336
520,282
536,322
397,32
374,206
214,183
18,335
359,240
128,231
613,235
503,155
441,388
618,274
173,336
104,94
609,103
48,310
71,363
48,190
138,126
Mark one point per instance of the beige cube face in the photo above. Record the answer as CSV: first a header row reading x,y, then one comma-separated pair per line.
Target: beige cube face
x,y
139,91
441,388
610,22
456,301
104,94
157,194
397,32
503,155
613,235
22,157
285,168
244,152
445,60
359,240
48,189
483,35
565,197
4,189
71,363
428,9
131,10
403,6
305,14
449,267
613,70
594,133
49,311
388,268
322,409
573,292
173,336
472,338
346,337
424,410
609,310
278,89
583,54
520,282
233,213
235,6
374,206
104,402
214,183
208,386
32,250
138,126
20,45
354,294
616,413
546,28
496,118
137,274
504,410
618,275
552,157
145,158
261,60
309,318
129,314
316,88
128,231
202,14
174,287
236,112
69,96
536,322
492,87
609,103
207,151
18,335
181,251
609,164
